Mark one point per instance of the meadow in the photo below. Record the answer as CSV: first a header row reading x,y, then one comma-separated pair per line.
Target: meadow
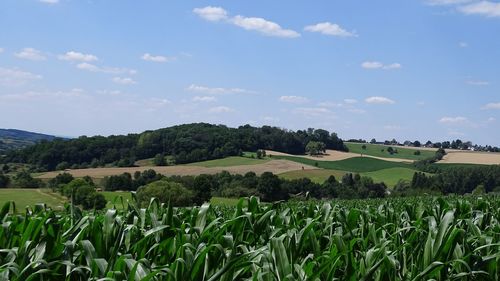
x,y
381,151
355,165
443,238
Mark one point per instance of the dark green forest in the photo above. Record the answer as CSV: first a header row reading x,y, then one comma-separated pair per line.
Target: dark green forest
x,y
184,143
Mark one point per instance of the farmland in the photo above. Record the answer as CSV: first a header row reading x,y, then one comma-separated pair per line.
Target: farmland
x,y
381,151
442,238
30,197
230,161
356,164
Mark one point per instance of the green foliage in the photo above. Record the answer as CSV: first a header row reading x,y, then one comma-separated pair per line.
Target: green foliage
x,y
60,180
184,143
166,192
4,180
315,148
159,160
447,238
83,192
23,179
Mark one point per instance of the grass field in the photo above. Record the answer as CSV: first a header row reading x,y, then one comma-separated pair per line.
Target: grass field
x,y
24,197
376,150
391,176
355,165
317,176
114,196
230,161
221,201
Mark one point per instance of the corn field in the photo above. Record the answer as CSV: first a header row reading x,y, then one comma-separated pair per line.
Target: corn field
x,y
446,238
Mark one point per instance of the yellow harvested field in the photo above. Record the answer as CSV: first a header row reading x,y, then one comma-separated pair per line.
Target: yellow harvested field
x,y
471,157
334,155
274,166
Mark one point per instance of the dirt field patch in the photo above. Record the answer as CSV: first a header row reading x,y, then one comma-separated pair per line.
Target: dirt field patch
x,y
334,155
274,166
471,157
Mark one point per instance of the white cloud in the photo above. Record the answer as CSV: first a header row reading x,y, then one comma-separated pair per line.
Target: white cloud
x,y
204,99
483,8
312,111
49,1
379,65
491,119
104,69
77,56
1,50
30,54
392,127
16,77
124,80
217,90
328,28
453,120
478,83
260,25
220,109
294,99
463,44
263,26
379,100
149,57
329,104
350,101
211,13
446,2
492,105
356,110
270,119
455,133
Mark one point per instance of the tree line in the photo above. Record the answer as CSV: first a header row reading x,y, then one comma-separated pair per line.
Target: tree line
x,y
183,144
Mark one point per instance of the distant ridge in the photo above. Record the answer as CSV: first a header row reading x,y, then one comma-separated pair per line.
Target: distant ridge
x,y
16,139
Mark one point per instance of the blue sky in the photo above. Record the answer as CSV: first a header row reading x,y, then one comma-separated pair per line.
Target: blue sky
x,y
422,69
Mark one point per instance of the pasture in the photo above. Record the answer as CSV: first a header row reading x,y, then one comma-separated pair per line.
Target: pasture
x,y
381,151
355,165
29,197
230,161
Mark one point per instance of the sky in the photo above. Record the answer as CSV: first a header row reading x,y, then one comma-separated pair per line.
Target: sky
x,y
410,70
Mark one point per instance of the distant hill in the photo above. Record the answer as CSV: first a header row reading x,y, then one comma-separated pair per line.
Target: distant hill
x,y
186,143
15,139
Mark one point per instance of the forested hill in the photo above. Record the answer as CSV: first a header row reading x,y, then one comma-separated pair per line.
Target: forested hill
x,y
184,143
15,139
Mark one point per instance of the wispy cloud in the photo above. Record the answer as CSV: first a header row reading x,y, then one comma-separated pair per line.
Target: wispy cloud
x,y
49,1
332,29
350,101
260,25
477,83
16,77
446,2
30,54
313,111
157,58
104,69
453,120
77,56
221,109
379,100
463,44
379,65
204,99
483,8
294,99
217,90
124,80
492,105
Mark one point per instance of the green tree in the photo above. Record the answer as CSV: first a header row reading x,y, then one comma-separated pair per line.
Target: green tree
x,y
315,148
4,180
165,191
159,160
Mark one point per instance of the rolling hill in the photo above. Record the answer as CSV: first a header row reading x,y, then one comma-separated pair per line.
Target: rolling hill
x,y
16,139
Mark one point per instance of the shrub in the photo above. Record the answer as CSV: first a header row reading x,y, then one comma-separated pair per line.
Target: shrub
x,y
165,191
